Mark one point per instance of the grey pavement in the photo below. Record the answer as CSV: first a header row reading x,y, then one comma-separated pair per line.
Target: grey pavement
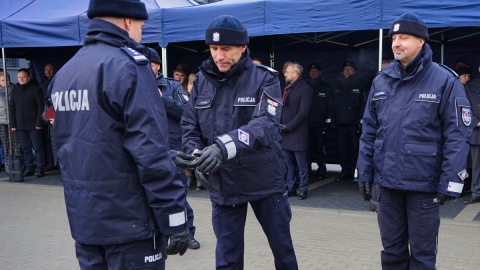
x,y
332,229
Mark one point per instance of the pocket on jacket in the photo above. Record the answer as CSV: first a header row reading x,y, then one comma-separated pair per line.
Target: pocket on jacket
x,y
420,162
256,176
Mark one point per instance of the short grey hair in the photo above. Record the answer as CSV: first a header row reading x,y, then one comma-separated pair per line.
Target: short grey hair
x,y
296,67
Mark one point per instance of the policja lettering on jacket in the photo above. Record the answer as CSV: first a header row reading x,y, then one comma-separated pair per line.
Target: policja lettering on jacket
x,y
71,100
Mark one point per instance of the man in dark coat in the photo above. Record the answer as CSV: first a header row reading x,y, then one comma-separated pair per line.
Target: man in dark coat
x,y
317,118
297,99
473,95
349,100
26,108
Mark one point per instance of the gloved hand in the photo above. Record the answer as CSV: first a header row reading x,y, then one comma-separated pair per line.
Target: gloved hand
x,y
178,243
283,129
202,179
365,190
209,159
442,198
184,161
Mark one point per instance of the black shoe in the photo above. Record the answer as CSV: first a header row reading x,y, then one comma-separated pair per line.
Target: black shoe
x,y
193,244
292,193
51,168
28,173
344,177
302,195
472,200
321,176
39,174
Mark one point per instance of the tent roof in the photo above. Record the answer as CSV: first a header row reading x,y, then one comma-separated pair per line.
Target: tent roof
x,y
57,23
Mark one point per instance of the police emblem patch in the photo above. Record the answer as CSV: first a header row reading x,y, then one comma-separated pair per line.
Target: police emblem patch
x,y
244,137
463,175
216,37
272,107
466,116
396,27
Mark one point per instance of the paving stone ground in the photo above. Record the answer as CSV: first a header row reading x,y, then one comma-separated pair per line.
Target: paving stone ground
x,y
332,230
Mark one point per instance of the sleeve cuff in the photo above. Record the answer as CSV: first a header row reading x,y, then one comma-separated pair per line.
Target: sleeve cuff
x,y
229,145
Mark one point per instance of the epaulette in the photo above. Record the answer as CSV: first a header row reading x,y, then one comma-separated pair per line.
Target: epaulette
x,y
268,68
449,69
139,58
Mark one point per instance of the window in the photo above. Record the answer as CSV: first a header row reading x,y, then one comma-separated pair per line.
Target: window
x,y
9,62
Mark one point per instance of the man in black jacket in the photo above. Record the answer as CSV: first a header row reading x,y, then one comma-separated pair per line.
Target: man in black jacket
x,y
26,108
473,94
317,118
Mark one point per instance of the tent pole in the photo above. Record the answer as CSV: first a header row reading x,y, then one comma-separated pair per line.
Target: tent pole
x,y
380,48
5,75
442,49
164,62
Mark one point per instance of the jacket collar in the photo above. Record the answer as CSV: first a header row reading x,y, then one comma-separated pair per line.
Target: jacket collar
x,y
108,33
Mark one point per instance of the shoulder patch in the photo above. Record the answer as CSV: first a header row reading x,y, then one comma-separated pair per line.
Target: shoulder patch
x,y
139,58
268,68
449,69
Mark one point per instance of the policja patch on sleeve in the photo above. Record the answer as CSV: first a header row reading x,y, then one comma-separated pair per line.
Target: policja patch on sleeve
x,y
272,107
466,116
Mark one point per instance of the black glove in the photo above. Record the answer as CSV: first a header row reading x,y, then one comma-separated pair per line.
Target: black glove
x,y
442,198
184,161
365,190
202,179
178,243
209,159
283,129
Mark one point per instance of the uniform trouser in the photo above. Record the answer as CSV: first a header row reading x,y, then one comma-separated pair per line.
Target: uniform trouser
x,y
316,148
297,160
189,209
32,138
408,218
143,254
475,154
274,215
347,145
47,145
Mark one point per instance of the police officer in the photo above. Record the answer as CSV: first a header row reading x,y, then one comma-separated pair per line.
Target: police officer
x,y
175,99
349,99
318,117
414,146
122,196
231,124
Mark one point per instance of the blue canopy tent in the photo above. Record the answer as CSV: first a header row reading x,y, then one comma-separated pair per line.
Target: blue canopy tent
x,y
29,24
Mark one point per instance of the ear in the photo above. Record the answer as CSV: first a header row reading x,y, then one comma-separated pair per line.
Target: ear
x,y
244,47
422,41
127,23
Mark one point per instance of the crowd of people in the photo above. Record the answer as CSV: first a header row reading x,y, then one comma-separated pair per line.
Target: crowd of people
x,y
239,131
26,134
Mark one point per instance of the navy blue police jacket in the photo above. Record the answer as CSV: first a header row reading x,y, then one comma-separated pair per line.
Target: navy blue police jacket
x,y
112,143
175,99
239,111
416,129
322,103
349,100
